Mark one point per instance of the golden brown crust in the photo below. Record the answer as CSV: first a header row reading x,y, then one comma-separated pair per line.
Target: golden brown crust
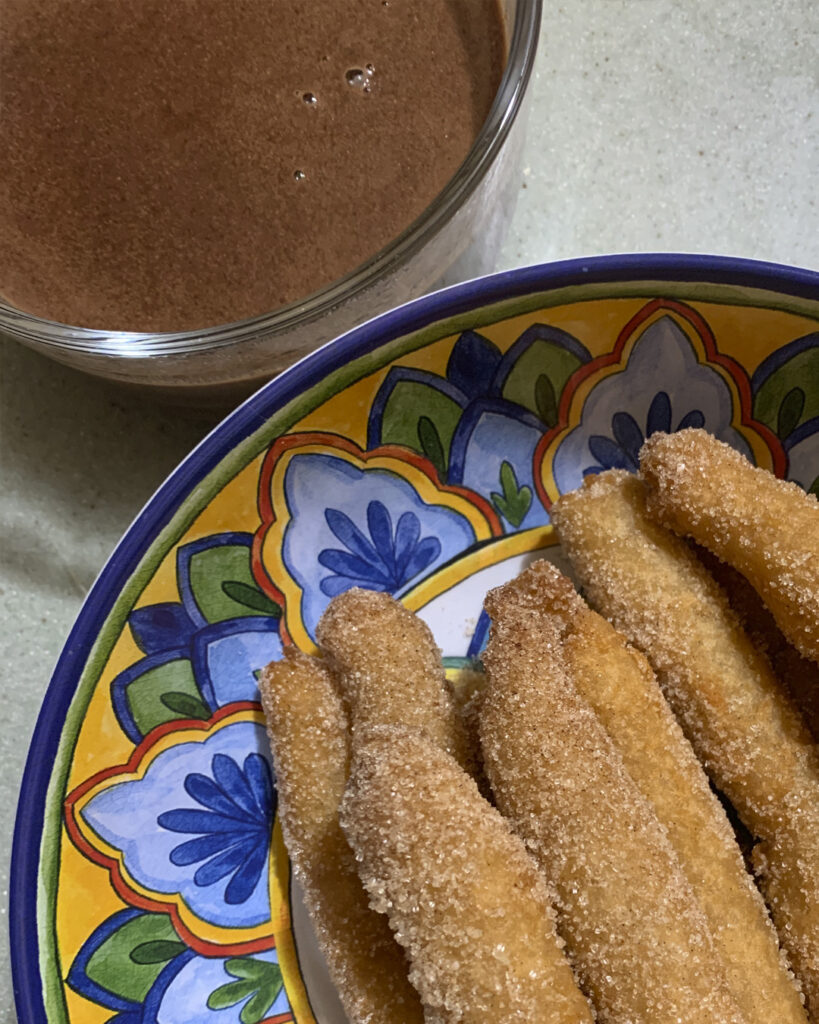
x,y
389,669
462,895
767,529
620,687
308,735
635,933
745,731
799,676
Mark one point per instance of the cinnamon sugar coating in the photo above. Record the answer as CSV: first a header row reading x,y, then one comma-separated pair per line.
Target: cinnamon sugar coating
x,y
634,931
766,528
463,896
389,669
309,738
749,737
620,687
798,675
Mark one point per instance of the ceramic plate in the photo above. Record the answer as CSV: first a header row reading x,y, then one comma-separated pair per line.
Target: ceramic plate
x,y
420,455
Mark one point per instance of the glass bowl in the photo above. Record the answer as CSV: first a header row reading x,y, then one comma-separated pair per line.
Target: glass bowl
x,y
457,237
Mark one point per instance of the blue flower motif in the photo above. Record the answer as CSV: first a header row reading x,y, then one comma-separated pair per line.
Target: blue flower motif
x,y
384,561
233,834
624,451
207,783
663,370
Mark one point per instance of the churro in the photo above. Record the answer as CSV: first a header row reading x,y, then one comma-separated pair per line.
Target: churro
x,y
747,734
635,933
309,737
618,684
389,669
799,676
766,528
463,896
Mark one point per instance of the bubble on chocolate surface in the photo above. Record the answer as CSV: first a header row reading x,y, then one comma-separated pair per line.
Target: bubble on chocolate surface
x,y
360,78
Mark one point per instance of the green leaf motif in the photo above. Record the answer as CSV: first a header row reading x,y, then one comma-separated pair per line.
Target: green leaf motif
x,y
257,1006
515,501
543,359
251,597
790,412
185,704
399,422
159,951
260,980
430,441
546,400
128,962
814,487
230,994
147,695
210,569
799,373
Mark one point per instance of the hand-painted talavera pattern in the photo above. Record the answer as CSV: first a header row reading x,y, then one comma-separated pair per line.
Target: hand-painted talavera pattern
x,y
428,473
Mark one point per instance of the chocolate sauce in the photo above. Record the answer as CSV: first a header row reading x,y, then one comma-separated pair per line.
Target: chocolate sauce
x,y
175,164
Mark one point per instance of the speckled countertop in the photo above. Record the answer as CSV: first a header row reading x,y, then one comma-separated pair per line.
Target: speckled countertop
x,y
676,125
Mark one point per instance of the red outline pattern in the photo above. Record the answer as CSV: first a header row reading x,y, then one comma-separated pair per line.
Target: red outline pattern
x,y
111,864
713,355
329,440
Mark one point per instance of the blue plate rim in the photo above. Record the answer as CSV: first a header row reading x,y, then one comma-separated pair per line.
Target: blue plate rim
x,y
238,425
